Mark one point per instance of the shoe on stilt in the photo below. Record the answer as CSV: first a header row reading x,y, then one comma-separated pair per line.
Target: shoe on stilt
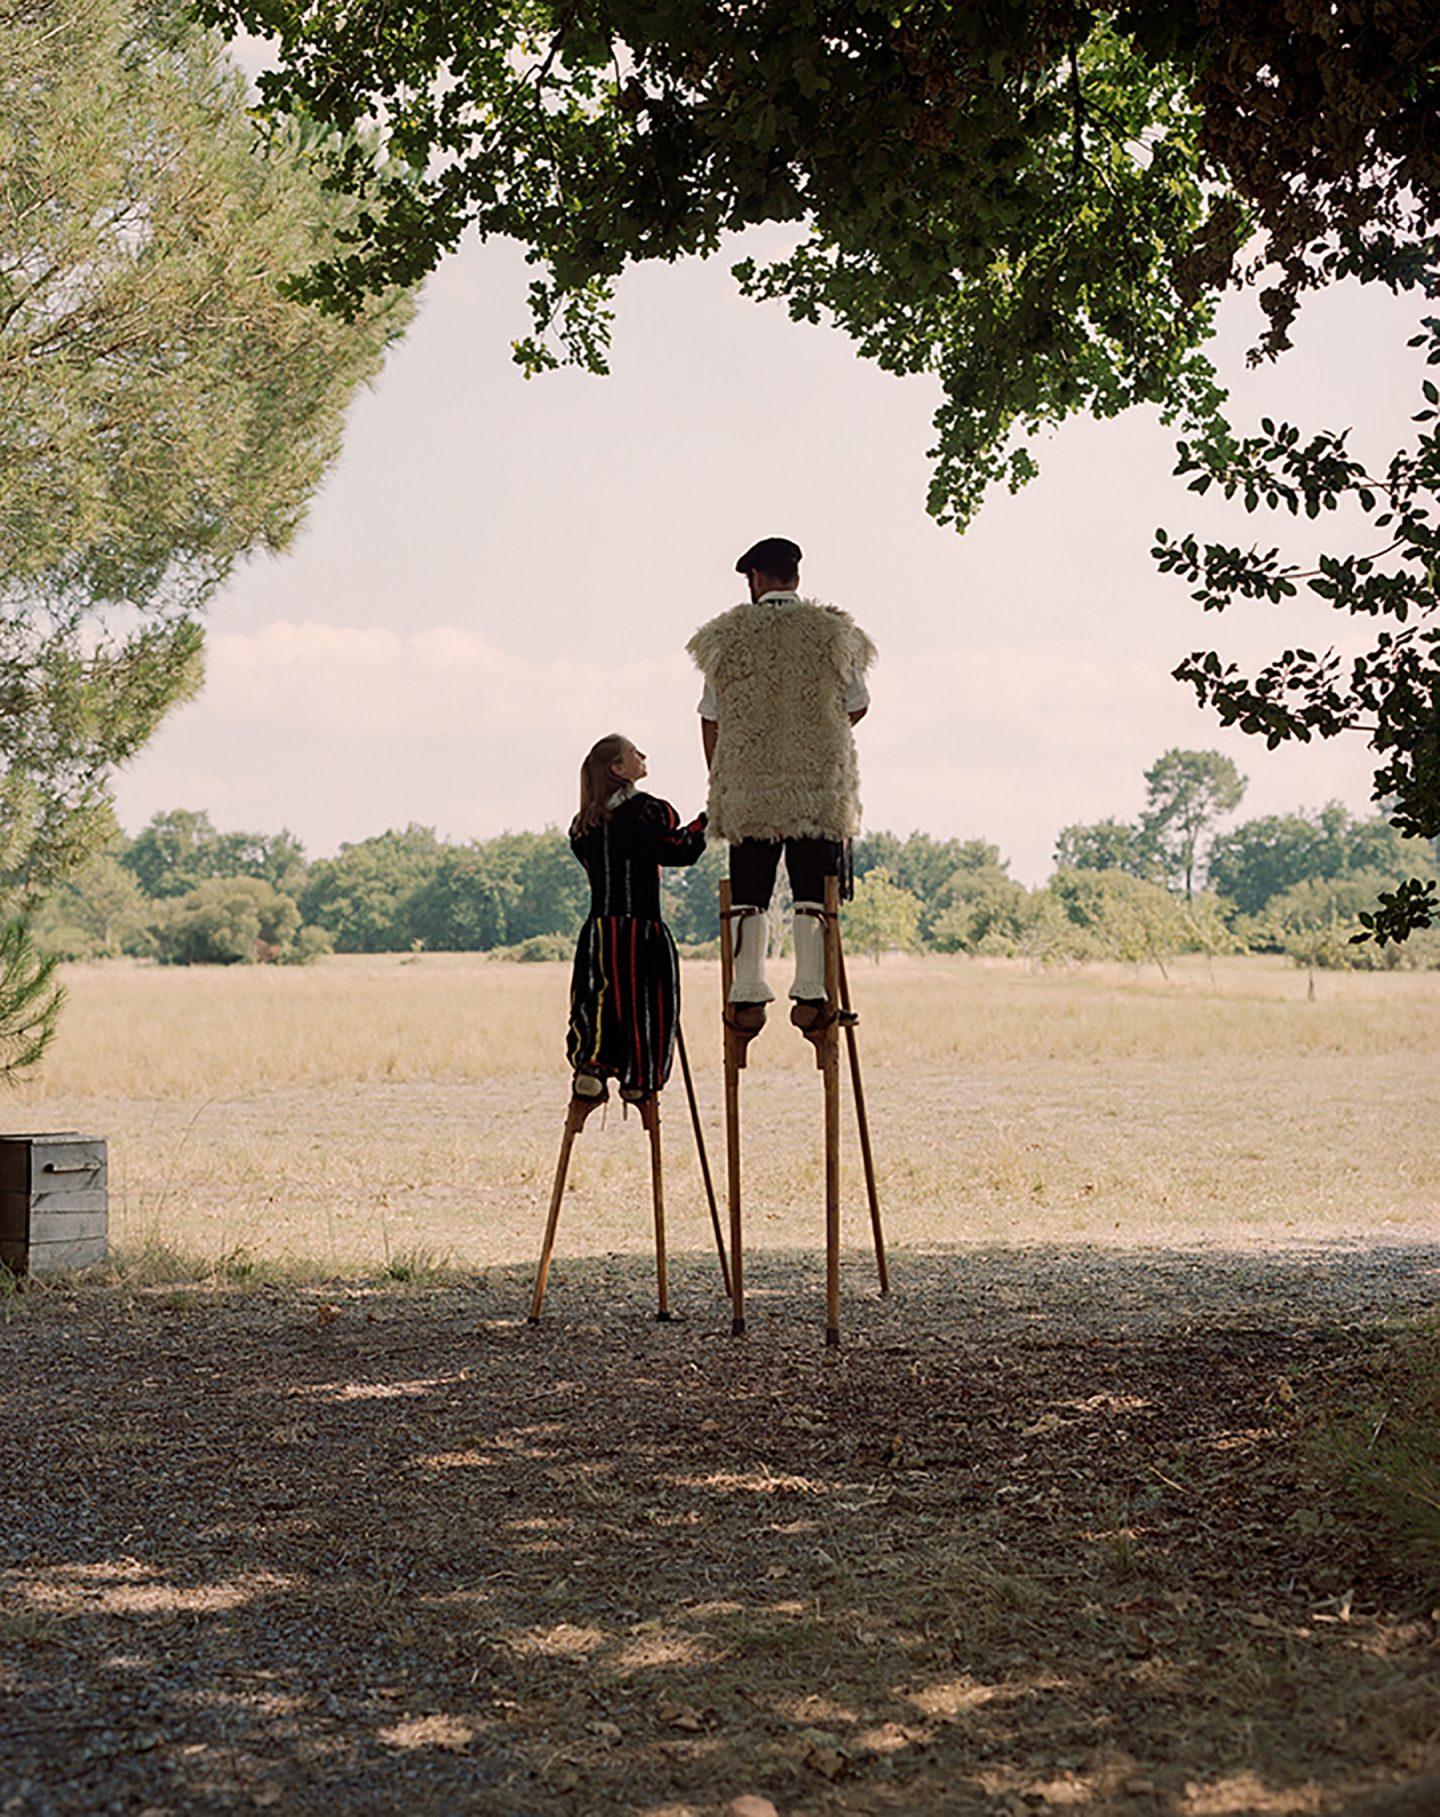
x,y
813,1016
590,1086
743,1021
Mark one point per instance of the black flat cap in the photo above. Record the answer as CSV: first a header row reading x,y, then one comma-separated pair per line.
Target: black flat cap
x,y
771,555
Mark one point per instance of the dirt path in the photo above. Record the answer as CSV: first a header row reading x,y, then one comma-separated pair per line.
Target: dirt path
x,y
1036,1538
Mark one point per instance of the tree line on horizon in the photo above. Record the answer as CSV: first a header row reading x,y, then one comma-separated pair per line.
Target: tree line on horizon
x,y
183,892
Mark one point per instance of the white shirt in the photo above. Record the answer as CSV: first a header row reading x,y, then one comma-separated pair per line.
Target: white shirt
x,y
857,695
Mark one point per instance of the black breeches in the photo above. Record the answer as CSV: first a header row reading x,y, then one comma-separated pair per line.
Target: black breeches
x,y
754,863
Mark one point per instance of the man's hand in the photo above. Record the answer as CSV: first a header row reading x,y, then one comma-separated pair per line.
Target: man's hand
x,y
708,733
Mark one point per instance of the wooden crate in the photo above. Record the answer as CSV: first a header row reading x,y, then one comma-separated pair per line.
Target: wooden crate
x,y
54,1203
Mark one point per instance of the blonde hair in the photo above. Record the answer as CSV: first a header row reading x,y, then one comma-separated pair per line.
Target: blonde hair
x,y
597,784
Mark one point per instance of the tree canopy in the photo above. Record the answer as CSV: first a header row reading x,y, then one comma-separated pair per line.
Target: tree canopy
x,y
1106,845
1035,202
1255,862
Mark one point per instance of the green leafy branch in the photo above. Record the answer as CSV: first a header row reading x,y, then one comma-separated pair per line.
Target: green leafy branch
x,y
1391,691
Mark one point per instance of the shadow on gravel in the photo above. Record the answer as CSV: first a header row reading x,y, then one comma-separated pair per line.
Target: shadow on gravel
x,y
1039,1536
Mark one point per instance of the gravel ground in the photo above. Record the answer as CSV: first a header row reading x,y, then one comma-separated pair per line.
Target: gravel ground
x,y
1039,1536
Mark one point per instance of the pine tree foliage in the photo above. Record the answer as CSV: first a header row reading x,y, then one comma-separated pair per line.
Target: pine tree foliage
x,y
30,1000
165,405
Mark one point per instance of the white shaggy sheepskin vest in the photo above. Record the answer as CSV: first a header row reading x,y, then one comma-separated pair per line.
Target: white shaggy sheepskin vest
x,y
784,762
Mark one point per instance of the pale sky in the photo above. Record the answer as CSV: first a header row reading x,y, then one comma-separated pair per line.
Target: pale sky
x,y
499,571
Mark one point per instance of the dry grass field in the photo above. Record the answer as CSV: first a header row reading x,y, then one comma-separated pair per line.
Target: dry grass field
x,y
336,1118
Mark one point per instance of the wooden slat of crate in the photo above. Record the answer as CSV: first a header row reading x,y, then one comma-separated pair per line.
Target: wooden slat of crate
x,y
60,1165
45,1258
69,1198
67,1226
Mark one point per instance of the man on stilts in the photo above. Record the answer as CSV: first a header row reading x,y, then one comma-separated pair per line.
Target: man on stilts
x,y
784,686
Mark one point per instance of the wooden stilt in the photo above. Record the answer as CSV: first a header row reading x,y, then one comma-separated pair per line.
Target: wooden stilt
x,y
580,1108
830,1063
650,1120
867,1157
732,1117
704,1158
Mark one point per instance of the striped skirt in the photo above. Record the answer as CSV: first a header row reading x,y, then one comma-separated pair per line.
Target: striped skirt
x,y
624,1001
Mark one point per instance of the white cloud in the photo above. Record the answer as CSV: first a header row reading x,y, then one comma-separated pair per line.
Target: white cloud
x,y
432,683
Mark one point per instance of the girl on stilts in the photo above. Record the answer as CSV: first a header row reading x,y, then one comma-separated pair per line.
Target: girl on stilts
x,y
625,987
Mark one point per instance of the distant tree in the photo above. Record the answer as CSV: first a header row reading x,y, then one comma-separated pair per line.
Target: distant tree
x,y
926,866
1254,862
1106,845
308,945
277,858
1206,928
1186,793
173,852
882,917
548,890
981,909
877,851
1115,916
362,896
500,892
1315,922
181,847
1376,844
96,913
464,902
691,899
225,921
